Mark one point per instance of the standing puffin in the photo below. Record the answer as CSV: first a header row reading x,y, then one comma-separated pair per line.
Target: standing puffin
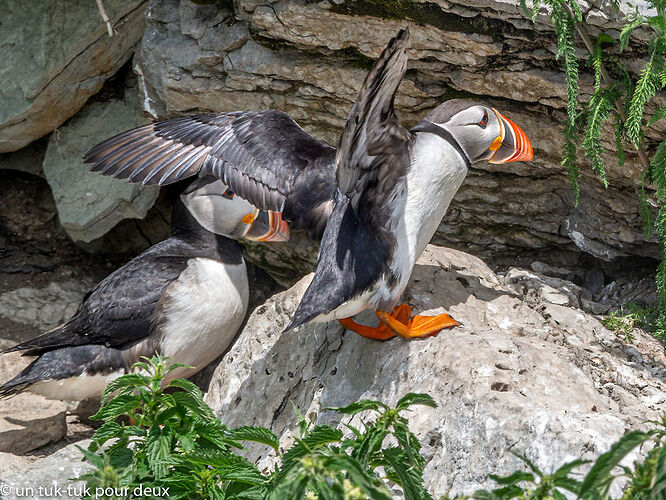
x,y
184,298
394,187
385,189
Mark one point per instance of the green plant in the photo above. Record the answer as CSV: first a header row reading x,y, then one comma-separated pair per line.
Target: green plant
x,y
630,316
646,481
160,438
618,96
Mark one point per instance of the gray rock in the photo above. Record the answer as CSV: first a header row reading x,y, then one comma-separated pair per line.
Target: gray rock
x,y
309,60
89,205
11,464
530,376
52,477
44,308
28,422
49,72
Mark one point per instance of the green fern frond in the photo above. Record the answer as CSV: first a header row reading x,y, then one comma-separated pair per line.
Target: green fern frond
x,y
566,50
660,114
626,31
599,110
618,125
596,58
533,12
578,14
569,160
657,172
646,88
646,212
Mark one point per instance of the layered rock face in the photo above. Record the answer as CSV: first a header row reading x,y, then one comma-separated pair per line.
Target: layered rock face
x,y
528,371
309,60
55,56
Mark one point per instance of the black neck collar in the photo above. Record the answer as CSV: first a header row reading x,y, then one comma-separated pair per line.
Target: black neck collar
x,y
430,127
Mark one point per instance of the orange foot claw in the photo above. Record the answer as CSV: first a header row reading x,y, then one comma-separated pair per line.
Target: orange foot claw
x,y
418,326
380,332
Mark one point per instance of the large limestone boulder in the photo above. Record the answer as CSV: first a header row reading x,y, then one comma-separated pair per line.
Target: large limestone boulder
x,y
55,476
90,205
55,56
310,58
528,371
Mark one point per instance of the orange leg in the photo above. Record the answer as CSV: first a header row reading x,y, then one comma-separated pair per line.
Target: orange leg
x,y
380,332
418,326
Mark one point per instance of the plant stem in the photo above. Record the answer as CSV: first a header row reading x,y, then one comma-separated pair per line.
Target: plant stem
x,y
105,18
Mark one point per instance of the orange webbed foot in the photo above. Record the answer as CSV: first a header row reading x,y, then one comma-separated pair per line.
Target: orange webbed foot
x,y
418,326
380,332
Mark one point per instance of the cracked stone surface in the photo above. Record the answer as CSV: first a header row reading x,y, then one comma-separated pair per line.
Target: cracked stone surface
x,y
44,308
59,55
90,205
528,371
309,60
59,470
27,421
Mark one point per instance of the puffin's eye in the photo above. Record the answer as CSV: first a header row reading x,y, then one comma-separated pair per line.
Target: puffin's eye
x,y
484,121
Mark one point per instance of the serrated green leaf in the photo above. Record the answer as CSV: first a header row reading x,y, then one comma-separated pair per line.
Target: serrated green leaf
x,y
601,470
358,476
529,463
411,480
255,434
129,381
414,398
516,477
107,431
158,451
120,405
359,406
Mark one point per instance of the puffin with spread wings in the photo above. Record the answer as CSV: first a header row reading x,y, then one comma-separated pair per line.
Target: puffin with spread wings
x,y
375,202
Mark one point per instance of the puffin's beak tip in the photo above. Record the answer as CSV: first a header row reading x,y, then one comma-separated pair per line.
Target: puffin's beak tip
x,y
516,145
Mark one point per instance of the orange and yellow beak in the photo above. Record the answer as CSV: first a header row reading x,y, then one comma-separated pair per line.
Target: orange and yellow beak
x,y
267,226
512,145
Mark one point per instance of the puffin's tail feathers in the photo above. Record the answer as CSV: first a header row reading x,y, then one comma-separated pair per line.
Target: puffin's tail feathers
x,y
65,363
57,337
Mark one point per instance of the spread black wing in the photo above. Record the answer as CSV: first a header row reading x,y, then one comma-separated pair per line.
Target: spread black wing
x,y
118,311
260,155
373,156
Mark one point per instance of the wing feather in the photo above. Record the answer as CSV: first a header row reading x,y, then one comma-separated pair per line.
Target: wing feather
x,y
258,154
373,156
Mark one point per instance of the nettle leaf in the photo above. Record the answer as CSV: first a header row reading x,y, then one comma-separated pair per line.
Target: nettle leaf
x,y
130,381
187,400
411,479
414,398
107,431
359,406
158,451
255,434
370,443
515,478
358,476
120,405
659,481
120,458
318,437
529,463
600,473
